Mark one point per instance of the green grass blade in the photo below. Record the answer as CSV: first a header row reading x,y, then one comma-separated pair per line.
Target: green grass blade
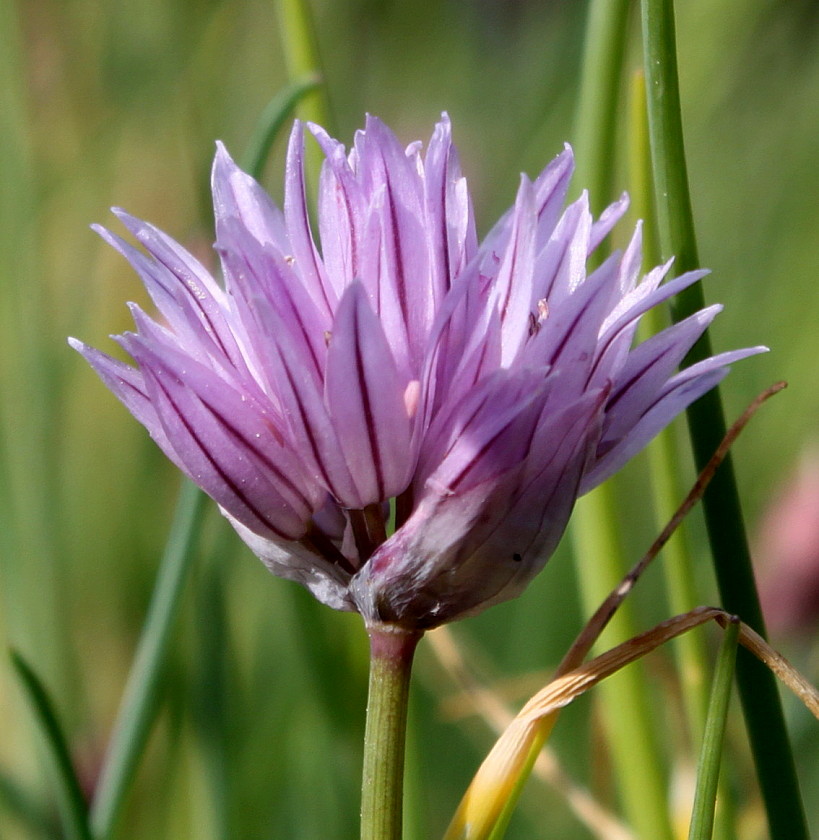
x,y
22,805
705,796
271,121
664,453
595,120
141,699
303,61
638,764
70,800
723,516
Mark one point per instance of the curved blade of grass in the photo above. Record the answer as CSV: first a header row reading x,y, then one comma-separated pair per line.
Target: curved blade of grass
x,y
484,800
140,701
272,119
70,800
726,530
25,808
705,796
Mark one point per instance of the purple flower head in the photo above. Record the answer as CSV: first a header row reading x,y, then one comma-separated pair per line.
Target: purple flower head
x,y
400,372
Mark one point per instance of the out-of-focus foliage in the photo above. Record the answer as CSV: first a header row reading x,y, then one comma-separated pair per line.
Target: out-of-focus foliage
x,y
120,103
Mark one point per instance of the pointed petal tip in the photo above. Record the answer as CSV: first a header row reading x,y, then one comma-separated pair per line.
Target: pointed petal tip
x,y
444,124
222,157
565,158
133,223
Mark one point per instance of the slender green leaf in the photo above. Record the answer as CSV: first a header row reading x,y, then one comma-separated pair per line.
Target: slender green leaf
x,y
21,804
271,121
141,699
664,454
600,82
303,61
723,515
705,797
70,800
595,529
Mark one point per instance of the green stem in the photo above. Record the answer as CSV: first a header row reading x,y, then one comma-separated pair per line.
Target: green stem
x,y
303,61
705,798
723,516
141,699
599,560
596,115
391,652
663,456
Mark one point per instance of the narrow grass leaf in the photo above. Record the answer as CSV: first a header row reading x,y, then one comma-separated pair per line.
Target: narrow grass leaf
x,y
142,693
636,756
303,61
21,804
723,516
596,116
705,796
272,120
70,801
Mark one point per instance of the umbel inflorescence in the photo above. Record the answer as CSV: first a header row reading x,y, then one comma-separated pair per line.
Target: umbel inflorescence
x,y
398,416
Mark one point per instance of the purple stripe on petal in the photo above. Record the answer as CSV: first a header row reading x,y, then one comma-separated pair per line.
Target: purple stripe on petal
x,y
656,418
218,458
308,263
128,385
512,291
365,399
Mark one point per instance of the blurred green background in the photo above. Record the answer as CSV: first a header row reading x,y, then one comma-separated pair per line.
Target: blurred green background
x,y
117,102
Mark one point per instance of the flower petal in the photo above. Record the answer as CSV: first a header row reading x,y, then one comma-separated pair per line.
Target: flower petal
x,y
677,394
365,399
462,551
450,220
239,197
292,561
305,254
228,444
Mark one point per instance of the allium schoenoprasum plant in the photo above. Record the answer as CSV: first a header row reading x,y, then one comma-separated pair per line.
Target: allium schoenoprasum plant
x,y
401,417
477,387
432,396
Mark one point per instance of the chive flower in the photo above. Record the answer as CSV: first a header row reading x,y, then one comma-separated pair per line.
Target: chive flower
x,y
393,414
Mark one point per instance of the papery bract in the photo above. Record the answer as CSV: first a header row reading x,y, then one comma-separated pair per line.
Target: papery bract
x,y
480,387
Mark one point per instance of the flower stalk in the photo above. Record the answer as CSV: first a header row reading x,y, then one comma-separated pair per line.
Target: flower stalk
x,y
391,652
